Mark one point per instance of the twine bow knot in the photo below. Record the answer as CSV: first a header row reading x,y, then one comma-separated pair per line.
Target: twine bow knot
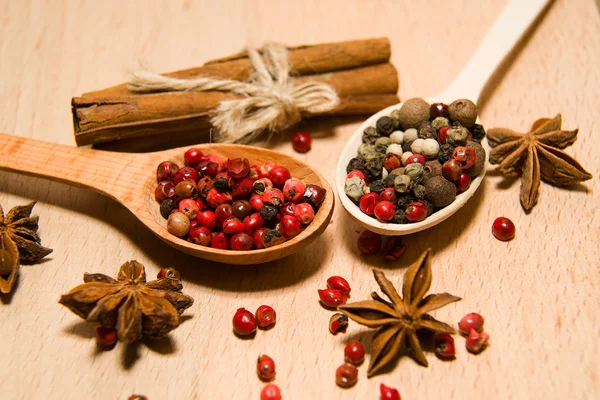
x,y
271,100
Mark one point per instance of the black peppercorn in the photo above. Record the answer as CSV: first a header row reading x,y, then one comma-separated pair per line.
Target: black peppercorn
x,y
389,180
477,131
430,208
356,163
269,213
399,217
445,152
406,145
404,201
373,170
370,135
166,206
385,126
419,191
427,131
221,184
377,186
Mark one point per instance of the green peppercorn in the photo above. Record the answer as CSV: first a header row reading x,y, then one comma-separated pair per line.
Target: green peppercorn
x,y
382,144
413,112
439,123
402,184
414,171
426,131
463,111
355,188
357,163
370,135
373,170
419,191
389,180
166,206
385,126
457,136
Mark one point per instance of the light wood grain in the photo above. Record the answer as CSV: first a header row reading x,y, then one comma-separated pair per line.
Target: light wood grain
x,y
539,293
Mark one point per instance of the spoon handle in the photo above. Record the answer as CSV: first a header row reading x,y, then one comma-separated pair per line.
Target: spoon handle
x,y
508,28
105,172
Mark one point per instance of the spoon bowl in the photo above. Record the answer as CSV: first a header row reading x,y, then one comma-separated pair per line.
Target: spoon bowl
x,y
130,179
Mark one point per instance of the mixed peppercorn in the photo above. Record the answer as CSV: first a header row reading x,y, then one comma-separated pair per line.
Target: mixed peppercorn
x,y
232,205
416,160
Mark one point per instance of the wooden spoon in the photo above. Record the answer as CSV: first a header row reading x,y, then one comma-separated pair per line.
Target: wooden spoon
x,y
130,179
504,34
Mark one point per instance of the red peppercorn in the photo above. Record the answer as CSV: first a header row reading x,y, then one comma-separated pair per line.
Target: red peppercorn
x,y
204,185
301,142
443,132
314,195
466,156
388,393
220,241
165,190
241,241
200,203
444,346
278,176
346,375
257,238
463,182
476,342
339,283
394,249
332,297
265,368
223,212
470,321
369,242
168,272
354,352
189,208
270,392
256,202
293,190
238,167
220,161
273,196
233,226
338,323
166,171
384,210
388,194
261,185
304,213
356,173
290,227
106,336
416,211
214,198
244,322
287,209
415,158
200,235
391,162
265,316
368,202
503,229
208,168
185,173
451,170
254,173
137,397
252,223
243,189
193,156
266,168
207,219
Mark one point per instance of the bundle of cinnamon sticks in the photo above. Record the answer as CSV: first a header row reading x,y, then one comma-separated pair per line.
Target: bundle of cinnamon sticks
x,y
119,119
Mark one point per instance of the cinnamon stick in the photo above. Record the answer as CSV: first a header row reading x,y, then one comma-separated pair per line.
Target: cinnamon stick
x,y
98,120
304,60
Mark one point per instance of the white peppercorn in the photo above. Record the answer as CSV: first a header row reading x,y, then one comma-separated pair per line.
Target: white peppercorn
x,y
397,137
394,148
417,146
410,135
430,148
404,157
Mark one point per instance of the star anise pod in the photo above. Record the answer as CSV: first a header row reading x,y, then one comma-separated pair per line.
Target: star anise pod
x,y
129,304
538,153
399,319
19,242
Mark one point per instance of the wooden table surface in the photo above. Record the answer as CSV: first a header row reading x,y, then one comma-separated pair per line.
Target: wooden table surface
x,y
539,293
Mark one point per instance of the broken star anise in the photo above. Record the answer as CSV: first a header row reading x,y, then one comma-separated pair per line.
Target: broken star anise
x,y
538,154
400,318
129,304
19,242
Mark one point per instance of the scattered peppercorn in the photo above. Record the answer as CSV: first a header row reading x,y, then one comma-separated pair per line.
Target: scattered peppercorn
x,y
470,321
270,392
301,142
346,375
354,352
106,337
503,229
332,297
265,368
476,342
388,393
338,323
369,242
244,322
444,346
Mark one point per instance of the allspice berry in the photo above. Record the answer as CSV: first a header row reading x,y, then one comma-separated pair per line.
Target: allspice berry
x,y
413,112
479,165
463,111
432,168
439,191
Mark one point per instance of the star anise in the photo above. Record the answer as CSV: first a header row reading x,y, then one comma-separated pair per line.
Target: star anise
x,y
399,319
19,242
129,304
538,153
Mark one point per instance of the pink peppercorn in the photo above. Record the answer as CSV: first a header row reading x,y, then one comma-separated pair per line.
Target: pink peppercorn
x,y
369,242
357,173
214,198
241,241
388,194
278,176
200,235
252,223
368,202
256,202
207,219
290,227
220,241
385,210
273,196
301,142
293,190
304,213
233,226
192,157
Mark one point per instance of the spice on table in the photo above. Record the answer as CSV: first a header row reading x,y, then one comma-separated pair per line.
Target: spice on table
x,y
338,323
105,337
354,352
346,375
129,304
399,318
477,342
444,346
19,242
244,322
394,249
332,297
470,321
265,368
270,392
265,317
137,397
339,283
369,242
503,229
388,393
539,156
301,142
